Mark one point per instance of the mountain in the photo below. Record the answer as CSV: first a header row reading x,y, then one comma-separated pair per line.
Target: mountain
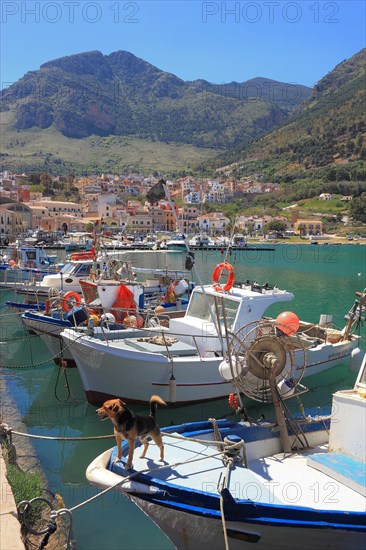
x,y
91,94
324,139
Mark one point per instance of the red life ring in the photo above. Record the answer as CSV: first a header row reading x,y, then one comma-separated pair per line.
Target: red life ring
x,y
31,264
216,276
72,297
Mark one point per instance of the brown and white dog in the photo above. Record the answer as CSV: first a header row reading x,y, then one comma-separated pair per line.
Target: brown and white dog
x,y
129,426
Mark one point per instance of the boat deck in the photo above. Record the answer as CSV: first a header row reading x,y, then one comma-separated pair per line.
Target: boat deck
x,y
279,479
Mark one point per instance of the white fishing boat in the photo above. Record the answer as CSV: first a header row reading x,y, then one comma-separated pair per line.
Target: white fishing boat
x,y
178,242
282,485
202,240
185,362
238,240
165,291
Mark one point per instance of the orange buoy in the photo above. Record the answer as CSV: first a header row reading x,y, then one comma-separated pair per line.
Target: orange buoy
x,y
216,276
95,318
287,322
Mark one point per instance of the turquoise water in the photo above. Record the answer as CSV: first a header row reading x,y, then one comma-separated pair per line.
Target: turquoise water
x,y
323,279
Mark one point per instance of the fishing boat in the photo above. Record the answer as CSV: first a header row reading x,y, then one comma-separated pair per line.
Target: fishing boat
x,y
282,485
178,242
186,361
201,240
107,302
24,263
65,279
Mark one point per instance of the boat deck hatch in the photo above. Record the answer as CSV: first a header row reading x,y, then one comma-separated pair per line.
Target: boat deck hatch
x,y
176,348
343,468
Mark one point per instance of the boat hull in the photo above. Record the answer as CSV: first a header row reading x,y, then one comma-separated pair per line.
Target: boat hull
x,y
113,368
183,500
191,531
49,329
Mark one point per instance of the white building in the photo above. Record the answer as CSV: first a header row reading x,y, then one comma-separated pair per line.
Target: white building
x,y
325,197
213,222
192,198
106,205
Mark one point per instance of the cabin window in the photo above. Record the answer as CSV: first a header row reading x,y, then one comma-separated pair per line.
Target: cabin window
x,y
31,255
198,307
66,269
83,270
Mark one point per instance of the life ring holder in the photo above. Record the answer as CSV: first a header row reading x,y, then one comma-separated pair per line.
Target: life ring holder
x,y
216,276
76,300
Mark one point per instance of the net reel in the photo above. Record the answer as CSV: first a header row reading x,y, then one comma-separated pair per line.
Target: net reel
x,y
264,358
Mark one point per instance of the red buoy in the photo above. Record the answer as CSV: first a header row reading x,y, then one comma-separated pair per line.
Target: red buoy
x,y
233,401
288,322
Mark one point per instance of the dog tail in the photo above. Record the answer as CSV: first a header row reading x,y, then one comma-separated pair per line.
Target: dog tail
x,y
154,399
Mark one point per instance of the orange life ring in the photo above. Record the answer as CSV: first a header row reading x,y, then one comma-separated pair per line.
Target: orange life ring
x,y
216,276
76,300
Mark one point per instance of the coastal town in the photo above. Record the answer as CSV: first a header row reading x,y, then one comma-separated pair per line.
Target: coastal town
x,y
120,201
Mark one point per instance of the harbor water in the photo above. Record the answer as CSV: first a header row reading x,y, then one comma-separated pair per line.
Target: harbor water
x,y
322,278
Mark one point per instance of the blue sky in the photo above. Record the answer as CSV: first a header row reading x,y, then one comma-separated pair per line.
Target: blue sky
x,y
219,41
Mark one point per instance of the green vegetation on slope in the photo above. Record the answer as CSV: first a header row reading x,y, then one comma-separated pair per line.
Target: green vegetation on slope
x,y
38,150
325,140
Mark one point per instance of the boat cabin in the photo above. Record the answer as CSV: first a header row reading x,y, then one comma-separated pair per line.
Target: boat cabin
x,y
68,278
32,257
209,311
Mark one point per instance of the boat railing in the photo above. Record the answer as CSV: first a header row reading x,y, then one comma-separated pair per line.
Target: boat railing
x,y
155,326
19,274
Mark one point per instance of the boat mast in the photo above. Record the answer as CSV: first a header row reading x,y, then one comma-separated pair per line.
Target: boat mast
x,y
214,318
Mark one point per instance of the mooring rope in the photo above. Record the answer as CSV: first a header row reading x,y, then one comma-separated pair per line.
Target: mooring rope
x,y
227,451
224,444
55,513
9,431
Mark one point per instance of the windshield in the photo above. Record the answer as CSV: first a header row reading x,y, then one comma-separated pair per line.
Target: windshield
x,y
198,307
80,269
68,268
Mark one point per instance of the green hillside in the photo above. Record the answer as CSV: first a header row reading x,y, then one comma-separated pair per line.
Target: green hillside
x,y
120,95
37,150
324,140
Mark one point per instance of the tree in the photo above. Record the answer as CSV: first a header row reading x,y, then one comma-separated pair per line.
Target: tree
x,y
275,225
357,208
